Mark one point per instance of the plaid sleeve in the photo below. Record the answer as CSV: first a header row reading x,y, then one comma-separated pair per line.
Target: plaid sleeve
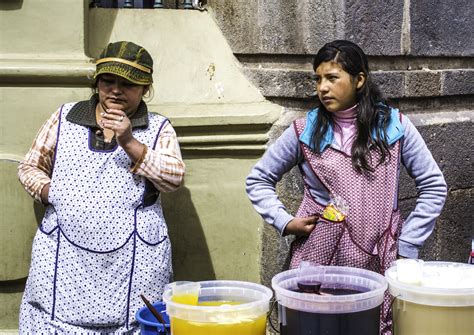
x,y
35,170
163,165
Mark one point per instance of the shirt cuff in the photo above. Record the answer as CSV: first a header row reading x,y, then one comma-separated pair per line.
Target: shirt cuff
x,y
140,160
408,250
281,221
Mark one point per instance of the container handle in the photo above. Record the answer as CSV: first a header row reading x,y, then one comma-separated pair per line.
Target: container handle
x,y
155,313
269,316
386,317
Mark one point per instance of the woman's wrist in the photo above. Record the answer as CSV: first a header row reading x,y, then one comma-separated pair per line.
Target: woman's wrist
x,y
45,194
140,160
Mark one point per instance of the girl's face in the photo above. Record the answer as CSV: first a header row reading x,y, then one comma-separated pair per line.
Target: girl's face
x,y
116,92
335,87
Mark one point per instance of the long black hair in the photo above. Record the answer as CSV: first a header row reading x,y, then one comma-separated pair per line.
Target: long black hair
x,y
373,114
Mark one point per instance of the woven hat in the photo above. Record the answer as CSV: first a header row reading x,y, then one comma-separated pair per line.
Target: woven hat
x,y
127,60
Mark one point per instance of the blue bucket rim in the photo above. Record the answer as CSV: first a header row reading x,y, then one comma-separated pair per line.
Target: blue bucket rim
x,y
149,323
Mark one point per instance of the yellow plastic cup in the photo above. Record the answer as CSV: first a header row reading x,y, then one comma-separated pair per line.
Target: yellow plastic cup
x,y
185,292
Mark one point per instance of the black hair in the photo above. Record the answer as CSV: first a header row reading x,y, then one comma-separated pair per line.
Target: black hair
x,y
373,114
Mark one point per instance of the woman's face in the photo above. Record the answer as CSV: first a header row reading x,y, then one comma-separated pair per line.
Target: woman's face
x,y
335,87
116,92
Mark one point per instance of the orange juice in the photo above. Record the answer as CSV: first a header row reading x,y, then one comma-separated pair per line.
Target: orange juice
x,y
220,325
186,293
186,299
223,307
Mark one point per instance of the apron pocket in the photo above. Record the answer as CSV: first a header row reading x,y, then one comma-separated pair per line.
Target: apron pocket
x,y
388,245
322,244
151,225
92,288
354,255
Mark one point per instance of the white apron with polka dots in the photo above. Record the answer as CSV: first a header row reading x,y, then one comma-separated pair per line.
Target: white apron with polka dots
x,y
367,238
98,247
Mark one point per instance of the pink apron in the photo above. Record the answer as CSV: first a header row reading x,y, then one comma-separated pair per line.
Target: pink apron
x,y
367,238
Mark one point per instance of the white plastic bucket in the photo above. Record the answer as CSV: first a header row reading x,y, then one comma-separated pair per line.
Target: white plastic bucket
x,y
439,301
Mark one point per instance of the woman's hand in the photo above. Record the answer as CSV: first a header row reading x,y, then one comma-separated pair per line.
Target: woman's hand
x,y
301,226
117,121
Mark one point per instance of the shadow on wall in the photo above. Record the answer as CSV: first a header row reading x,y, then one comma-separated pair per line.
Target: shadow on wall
x,y
11,4
191,257
39,210
100,35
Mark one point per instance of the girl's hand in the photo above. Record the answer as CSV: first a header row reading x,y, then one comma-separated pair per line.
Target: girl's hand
x,y
117,121
301,226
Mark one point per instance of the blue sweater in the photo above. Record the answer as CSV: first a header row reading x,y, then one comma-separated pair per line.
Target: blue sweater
x,y
286,153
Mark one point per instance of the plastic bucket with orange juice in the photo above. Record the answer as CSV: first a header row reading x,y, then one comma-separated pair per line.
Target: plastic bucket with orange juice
x,y
223,307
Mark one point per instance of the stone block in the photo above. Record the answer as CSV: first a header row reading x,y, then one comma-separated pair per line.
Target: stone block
x,y
283,82
442,28
278,26
445,135
422,83
303,26
437,28
375,25
458,82
451,238
391,83
297,83
275,254
238,21
454,229
406,187
287,117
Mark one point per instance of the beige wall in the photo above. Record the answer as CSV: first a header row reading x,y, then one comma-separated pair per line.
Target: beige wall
x,y
221,119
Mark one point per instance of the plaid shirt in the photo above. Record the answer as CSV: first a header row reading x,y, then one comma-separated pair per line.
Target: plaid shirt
x,y
163,166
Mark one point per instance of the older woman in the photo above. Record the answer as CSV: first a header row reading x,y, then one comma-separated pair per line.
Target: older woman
x,y
99,166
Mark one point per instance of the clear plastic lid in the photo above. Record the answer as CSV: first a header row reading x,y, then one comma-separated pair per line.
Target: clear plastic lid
x,y
247,301
371,286
432,283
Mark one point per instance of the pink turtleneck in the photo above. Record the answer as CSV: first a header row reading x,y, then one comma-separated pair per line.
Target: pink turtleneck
x,y
345,128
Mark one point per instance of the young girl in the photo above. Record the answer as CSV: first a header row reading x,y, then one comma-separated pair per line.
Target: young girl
x,y
349,152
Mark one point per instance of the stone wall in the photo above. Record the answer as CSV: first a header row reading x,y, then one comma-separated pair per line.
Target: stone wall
x,y
420,54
